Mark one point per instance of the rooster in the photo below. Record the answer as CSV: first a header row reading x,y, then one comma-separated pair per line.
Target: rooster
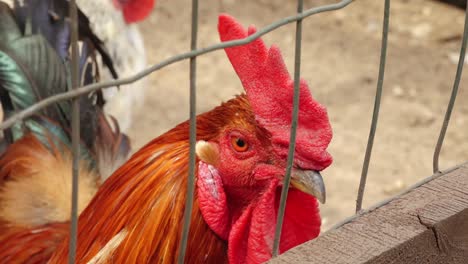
x,y
242,146
36,163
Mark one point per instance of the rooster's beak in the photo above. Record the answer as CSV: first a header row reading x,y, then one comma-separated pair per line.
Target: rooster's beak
x,y
309,181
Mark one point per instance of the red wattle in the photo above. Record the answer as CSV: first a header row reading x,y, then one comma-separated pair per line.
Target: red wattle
x,y
251,236
301,221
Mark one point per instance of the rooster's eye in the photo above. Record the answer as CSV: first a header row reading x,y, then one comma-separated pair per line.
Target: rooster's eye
x,y
239,144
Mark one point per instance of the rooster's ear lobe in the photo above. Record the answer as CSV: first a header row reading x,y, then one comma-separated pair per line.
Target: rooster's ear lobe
x,y
207,152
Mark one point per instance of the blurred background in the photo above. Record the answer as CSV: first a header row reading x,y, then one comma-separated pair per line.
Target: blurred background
x,y
340,59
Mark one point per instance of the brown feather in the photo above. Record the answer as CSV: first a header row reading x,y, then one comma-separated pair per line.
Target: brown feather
x,y
149,206
35,190
30,245
35,183
111,146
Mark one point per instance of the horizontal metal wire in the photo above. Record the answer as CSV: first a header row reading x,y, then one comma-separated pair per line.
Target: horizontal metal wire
x,y
93,87
375,115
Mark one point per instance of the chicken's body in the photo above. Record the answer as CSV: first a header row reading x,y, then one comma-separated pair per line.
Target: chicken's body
x,y
31,245
124,41
126,46
36,164
35,191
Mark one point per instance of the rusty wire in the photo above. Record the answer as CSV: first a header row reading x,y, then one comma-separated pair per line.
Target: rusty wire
x,y
75,71
375,115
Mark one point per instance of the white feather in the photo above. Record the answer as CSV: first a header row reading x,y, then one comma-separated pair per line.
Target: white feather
x,y
126,47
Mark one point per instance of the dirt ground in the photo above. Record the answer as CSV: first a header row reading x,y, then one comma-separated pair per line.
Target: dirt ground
x,y
340,60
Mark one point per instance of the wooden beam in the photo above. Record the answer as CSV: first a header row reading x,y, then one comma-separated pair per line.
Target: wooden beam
x,y
428,224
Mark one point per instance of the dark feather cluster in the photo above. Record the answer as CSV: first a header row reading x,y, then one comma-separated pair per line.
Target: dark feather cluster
x,y
457,3
35,64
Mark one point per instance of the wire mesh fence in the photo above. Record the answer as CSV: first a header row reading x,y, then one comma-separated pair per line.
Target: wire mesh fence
x,y
192,55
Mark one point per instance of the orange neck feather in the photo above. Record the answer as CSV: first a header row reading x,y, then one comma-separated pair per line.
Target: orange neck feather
x,y
145,198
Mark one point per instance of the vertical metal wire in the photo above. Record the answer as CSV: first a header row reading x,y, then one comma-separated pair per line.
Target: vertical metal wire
x,y
75,131
192,139
375,116
448,113
292,140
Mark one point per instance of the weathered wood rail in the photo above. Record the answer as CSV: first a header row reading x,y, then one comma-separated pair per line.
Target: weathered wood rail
x,y
427,224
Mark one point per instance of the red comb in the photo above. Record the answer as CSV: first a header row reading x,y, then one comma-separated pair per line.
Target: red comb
x,y
270,92
135,10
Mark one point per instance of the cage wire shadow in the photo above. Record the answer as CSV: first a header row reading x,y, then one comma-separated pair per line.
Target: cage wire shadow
x,y
76,92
